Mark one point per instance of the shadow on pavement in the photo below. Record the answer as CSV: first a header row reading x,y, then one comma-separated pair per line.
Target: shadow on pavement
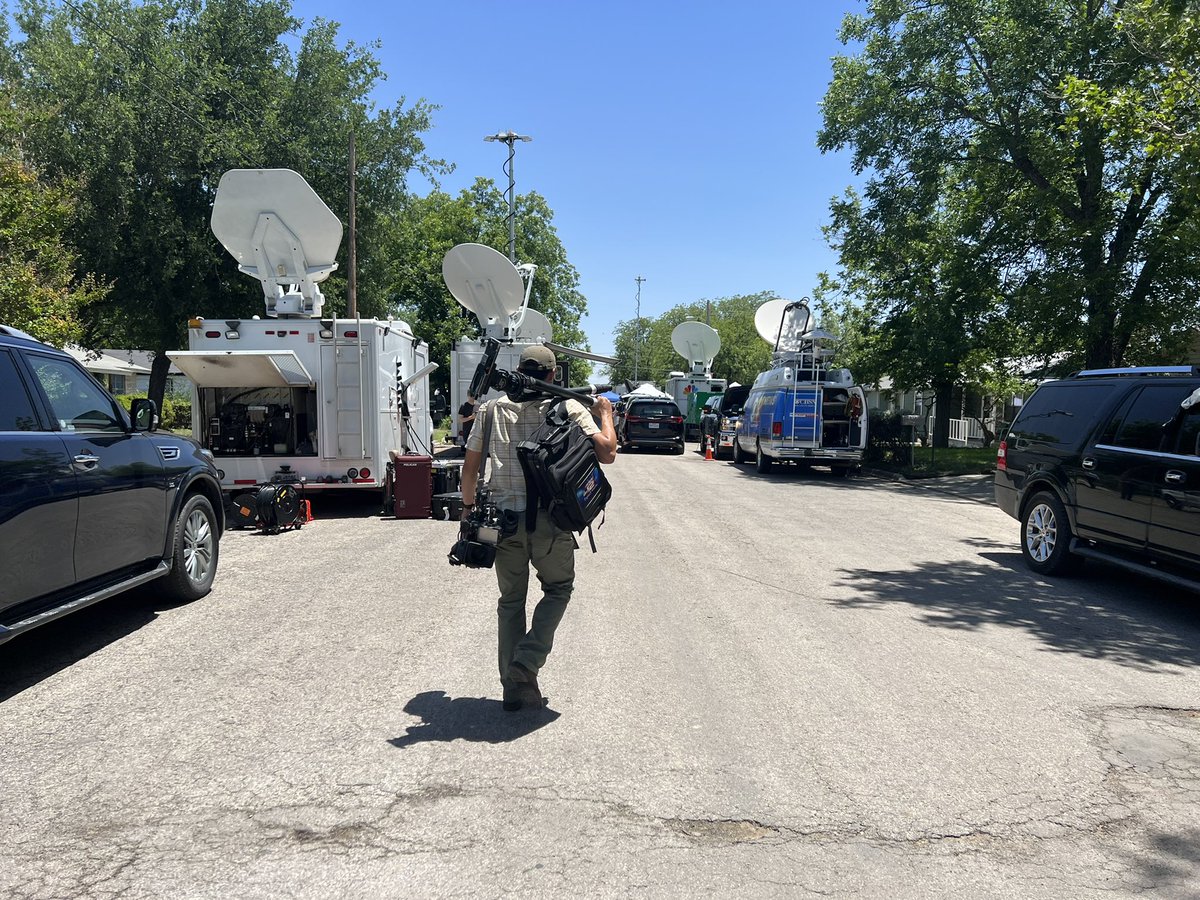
x,y
44,651
1105,613
468,719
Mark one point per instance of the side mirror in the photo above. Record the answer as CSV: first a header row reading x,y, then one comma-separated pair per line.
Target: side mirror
x,y
144,414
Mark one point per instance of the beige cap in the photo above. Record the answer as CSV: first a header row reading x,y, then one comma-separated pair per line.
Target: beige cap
x,y
537,357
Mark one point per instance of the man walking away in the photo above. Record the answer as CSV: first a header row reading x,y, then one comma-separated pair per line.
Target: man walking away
x,y
549,550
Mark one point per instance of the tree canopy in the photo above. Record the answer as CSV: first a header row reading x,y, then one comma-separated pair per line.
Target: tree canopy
x,y
742,356
153,100
1030,179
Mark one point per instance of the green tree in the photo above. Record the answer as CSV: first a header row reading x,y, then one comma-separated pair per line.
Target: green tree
x,y
998,105
742,356
154,101
40,292
430,226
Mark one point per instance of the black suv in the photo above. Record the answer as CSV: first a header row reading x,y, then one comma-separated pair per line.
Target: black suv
x,y
651,422
92,500
1106,464
720,419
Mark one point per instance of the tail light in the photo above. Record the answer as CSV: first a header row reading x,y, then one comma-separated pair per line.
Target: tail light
x,y
634,419
676,420
776,429
364,473
1002,456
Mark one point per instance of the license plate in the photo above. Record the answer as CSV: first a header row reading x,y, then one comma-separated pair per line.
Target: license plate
x,y
653,424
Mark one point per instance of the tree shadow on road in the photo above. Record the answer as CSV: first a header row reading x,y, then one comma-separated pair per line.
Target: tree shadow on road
x,y
1105,613
445,718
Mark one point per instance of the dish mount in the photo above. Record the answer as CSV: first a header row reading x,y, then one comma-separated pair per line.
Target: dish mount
x,y
787,325
279,231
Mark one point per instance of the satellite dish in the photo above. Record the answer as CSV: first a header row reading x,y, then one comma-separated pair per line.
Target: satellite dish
x,y
534,329
784,324
484,282
277,228
697,343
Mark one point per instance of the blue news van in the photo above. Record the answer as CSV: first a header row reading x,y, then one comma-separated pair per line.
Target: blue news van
x,y
812,417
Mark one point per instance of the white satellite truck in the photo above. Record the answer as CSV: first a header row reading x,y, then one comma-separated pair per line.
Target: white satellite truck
x,y
293,395
487,284
698,344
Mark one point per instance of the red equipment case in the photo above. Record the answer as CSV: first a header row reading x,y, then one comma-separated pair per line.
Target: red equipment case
x,y
412,487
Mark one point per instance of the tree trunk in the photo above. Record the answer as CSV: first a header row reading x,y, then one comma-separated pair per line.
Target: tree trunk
x,y
158,378
944,395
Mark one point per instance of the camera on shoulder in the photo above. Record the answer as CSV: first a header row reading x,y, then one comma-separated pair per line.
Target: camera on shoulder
x,y
479,533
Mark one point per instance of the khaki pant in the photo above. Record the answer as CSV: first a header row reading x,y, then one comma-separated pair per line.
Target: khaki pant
x,y
552,553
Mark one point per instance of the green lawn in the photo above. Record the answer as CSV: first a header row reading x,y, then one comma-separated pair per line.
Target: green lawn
x,y
930,463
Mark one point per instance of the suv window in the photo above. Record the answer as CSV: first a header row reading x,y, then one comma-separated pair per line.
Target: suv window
x,y
1138,424
76,401
16,409
1188,442
1059,412
654,409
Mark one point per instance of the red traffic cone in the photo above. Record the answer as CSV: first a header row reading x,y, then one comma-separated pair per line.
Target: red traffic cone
x,y
708,448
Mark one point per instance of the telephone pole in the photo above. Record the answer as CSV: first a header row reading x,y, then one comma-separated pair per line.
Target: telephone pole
x,y
637,345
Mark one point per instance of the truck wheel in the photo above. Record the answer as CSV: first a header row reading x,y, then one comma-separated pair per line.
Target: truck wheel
x,y
1046,536
762,462
196,548
740,456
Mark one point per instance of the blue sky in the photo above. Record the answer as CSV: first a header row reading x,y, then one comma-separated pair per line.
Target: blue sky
x,y
673,140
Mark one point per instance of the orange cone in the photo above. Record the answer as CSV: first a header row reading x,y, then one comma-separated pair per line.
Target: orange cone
x,y
708,448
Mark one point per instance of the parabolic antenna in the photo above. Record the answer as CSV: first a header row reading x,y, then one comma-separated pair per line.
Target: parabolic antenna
x,y
535,328
785,323
696,342
484,282
278,230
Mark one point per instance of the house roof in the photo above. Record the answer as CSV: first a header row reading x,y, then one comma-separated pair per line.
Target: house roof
x,y
103,364
139,358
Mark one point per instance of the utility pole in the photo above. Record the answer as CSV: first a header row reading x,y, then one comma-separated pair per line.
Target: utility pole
x,y
637,346
352,258
510,138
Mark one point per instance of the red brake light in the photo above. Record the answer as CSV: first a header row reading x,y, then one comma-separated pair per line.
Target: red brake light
x,y
777,429
352,334
1002,456
209,334
364,473
634,419
675,420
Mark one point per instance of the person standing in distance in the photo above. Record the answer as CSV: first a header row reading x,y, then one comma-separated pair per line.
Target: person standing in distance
x,y
549,550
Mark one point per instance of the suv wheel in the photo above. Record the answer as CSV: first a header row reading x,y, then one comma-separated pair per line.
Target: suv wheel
x,y
740,456
762,462
196,548
1046,536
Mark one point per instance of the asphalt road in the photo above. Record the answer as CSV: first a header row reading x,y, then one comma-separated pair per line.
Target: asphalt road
x,y
764,686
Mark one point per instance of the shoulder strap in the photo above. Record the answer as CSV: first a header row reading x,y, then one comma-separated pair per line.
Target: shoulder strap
x,y
487,439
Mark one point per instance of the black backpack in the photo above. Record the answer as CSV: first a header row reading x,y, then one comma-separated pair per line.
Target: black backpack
x,y
563,475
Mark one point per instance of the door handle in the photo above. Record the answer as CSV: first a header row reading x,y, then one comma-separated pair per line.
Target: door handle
x,y
1088,463
1174,476
86,460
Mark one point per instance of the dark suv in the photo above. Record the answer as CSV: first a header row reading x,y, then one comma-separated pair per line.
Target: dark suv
x,y
92,500
1106,464
651,422
720,418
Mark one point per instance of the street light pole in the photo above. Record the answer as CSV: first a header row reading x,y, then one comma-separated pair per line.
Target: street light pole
x,y
637,344
510,138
